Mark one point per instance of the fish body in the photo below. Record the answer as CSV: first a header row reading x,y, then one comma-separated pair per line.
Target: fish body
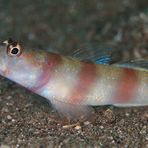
x,y
67,82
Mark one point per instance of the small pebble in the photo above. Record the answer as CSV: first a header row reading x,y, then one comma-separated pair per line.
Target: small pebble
x,y
101,127
127,114
78,127
9,117
109,115
13,120
5,110
86,123
9,97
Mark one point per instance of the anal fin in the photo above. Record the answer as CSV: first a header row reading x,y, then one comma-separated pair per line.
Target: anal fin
x,y
71,111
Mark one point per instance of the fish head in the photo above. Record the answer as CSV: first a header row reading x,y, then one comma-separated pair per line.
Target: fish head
x,y
9,55
19,65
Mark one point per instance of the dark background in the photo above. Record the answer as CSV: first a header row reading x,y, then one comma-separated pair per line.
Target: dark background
x,y
67,24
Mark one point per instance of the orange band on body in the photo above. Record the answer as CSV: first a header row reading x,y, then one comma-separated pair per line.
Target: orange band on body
x,y
127,86
86,79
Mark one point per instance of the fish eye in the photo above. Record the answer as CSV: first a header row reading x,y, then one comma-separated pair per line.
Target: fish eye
x,y
14,49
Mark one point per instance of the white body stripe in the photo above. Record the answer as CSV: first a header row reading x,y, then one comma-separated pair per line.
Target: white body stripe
x,y
63,81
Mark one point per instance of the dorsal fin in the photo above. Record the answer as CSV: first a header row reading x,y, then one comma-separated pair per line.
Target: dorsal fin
x,y
137,64
100,56
106,54
95,53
